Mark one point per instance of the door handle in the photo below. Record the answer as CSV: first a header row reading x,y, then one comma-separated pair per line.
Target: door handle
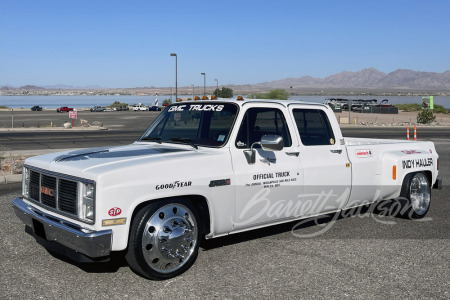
x,y
336,151
293,153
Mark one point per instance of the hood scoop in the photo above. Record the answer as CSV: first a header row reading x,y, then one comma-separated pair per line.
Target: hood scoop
x,y
103,152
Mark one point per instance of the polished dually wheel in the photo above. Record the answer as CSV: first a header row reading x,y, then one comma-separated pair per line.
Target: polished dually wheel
x,y
419,194
415,196
169,238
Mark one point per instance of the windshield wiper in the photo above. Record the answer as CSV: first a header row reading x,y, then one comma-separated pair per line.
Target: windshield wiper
x,y
153,139
185,141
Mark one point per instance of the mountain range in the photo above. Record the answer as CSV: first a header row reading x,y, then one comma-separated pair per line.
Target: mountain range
x,y
369,78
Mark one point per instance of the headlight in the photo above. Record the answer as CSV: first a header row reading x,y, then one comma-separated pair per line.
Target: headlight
x,y
88,209
89,190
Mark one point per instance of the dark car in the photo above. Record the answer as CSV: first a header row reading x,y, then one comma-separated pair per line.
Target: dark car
x,y
122,108
36,108
97,108
154,108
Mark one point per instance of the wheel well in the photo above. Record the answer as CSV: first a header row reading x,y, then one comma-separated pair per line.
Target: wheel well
x,y
427,173
200,204
429,177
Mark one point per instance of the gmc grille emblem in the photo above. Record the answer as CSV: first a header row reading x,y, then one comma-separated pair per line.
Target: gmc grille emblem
x,y
47,191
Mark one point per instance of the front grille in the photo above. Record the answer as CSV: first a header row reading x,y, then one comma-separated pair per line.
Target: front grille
x,y
48,191
68,196
54,192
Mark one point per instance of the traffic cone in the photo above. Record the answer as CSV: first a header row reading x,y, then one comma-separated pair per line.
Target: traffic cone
x,y
415,133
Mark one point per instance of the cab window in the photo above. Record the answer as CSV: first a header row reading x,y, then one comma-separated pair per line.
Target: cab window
x,y
314,127
260,121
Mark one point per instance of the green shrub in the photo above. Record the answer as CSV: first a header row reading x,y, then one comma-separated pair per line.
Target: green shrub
x,y
279,94
425,117
118,104
223,93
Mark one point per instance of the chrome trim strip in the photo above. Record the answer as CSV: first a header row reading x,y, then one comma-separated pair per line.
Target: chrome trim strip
x,y
89,242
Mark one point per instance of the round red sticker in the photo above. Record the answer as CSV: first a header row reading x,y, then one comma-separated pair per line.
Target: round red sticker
x,y
115,211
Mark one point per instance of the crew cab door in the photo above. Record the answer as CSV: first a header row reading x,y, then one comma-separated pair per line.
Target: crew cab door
x,y
267,190
326,167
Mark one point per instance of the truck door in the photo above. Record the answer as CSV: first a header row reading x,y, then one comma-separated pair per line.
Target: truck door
x,y
327,170
267,190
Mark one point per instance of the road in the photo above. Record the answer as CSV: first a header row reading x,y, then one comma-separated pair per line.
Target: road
x,y
363,255
127,126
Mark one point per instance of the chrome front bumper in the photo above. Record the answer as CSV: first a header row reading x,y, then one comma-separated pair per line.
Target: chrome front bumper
x,y
86,241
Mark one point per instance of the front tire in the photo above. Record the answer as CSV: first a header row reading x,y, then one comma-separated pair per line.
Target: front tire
x,y
164,239
415,195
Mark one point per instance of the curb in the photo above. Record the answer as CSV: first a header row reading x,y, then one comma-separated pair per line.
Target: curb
x,y
6,179
24,129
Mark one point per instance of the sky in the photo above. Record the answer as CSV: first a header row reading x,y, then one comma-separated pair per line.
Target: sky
x,y
126,44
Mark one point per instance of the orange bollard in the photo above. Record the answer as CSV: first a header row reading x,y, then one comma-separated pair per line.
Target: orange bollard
x,y
415,133
407,133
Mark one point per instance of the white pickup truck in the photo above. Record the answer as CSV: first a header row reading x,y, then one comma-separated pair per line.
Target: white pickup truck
x,y
209,169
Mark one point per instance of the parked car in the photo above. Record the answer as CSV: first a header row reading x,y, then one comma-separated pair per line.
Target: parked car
x,y
155,108
64,109
36,108
97,108
139,107
121,108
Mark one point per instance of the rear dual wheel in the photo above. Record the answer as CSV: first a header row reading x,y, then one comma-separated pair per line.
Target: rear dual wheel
x,y
164,239
415,195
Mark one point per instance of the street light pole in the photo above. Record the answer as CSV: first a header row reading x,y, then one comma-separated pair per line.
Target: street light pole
x,y
217,82
204,83
176,75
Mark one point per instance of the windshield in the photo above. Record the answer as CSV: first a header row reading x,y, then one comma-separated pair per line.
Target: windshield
x,y
195,124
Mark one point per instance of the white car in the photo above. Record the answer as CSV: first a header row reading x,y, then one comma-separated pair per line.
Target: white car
x,y
139,107
210,169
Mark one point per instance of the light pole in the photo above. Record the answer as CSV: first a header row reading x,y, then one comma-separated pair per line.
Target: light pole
x,y
176,75
192,91
204,83
217,82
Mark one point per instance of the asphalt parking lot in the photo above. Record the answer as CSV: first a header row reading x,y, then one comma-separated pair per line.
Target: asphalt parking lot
x,y
360,256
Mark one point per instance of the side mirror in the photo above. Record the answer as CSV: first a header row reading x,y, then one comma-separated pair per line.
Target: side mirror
x,y
269,142
272,142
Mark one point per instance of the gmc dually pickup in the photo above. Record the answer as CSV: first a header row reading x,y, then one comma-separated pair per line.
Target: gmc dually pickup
x,y
213,168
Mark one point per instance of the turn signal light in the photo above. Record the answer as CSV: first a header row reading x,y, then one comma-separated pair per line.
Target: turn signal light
x,y
394,172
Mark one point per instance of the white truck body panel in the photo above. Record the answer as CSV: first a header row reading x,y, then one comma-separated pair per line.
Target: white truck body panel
x,y
297,182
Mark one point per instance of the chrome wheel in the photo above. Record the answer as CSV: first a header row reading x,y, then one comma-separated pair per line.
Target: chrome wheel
x,y
419,194
169,238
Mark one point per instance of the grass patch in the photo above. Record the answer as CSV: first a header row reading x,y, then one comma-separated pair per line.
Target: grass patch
x,y
438,109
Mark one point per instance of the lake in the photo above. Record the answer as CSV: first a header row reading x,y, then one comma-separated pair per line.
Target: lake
x,y
52,102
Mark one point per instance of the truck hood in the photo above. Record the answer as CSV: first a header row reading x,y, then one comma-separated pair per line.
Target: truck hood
x,y
91,161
